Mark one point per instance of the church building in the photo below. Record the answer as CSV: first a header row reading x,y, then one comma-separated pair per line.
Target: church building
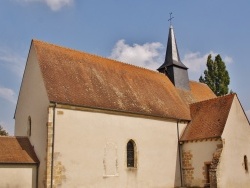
x,y
82,120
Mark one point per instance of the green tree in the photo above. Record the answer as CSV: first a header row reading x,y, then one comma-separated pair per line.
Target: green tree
x,y
216,76
3,132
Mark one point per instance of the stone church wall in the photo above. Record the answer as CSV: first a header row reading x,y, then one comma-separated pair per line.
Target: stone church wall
x,y
231,170
90,150
33,103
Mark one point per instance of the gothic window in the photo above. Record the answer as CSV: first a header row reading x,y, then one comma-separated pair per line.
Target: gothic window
x,y
29,127
131,154
245,163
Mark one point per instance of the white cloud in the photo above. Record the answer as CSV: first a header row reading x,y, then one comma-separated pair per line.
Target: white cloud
x,y
151,55
227,59
196,62
8,94
147,55
58,4
54,5
12,61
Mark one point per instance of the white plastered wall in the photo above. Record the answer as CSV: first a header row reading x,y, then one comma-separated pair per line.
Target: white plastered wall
x,y
90,150
17,175
202,152
33,102
236,143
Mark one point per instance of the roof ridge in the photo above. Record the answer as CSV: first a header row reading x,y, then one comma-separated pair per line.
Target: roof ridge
x,y
217,97
95,55
56,45
125,63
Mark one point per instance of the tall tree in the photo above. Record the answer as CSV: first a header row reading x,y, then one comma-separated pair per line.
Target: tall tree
x,y
216,76
3,132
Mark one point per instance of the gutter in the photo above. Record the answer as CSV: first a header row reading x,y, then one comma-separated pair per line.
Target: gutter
x,y
179,152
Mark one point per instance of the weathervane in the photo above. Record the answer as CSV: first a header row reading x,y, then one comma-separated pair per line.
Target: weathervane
x,y
170,19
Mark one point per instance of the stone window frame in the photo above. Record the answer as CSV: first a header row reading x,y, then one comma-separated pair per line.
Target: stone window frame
x,y
245,164
206,173
131,160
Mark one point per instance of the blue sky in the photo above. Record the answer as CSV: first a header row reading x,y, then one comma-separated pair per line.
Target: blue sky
x,y
133,31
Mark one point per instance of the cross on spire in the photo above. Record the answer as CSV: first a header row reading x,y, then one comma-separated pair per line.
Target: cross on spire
x,y
170,19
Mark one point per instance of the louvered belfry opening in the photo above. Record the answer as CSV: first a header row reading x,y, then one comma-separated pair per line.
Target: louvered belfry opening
x,y
131,154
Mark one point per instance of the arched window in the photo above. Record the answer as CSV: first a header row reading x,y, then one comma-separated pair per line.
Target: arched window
x,y
131,154
29,127
245,163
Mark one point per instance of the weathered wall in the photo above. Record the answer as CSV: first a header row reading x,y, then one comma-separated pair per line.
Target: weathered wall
x,y
18,176
195,156
90,150
33,102
236,143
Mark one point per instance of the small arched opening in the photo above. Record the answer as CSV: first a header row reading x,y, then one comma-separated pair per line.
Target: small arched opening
x,y
131,154
245,163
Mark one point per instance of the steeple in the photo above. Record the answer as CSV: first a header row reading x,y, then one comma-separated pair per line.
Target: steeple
x,y
172,66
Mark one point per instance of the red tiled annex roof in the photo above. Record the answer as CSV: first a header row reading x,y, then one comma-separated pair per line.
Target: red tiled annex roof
x,y
208,118
77,78
17,150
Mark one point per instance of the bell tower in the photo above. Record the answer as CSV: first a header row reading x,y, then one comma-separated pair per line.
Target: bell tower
x,y
172,66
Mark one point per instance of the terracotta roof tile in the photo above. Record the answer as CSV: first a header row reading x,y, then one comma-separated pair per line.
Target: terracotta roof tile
x,y
77,78
208,118
198,92
201,91
16,150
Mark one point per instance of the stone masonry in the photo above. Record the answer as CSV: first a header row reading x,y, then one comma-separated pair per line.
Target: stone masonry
x,y
214,164
187,167
58,168
47,180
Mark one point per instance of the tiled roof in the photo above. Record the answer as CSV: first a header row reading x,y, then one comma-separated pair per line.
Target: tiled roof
x,y
16,150
77,78
198,92
201,91
208,118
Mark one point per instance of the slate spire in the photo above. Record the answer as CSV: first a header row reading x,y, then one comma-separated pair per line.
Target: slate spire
x,y
172,66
